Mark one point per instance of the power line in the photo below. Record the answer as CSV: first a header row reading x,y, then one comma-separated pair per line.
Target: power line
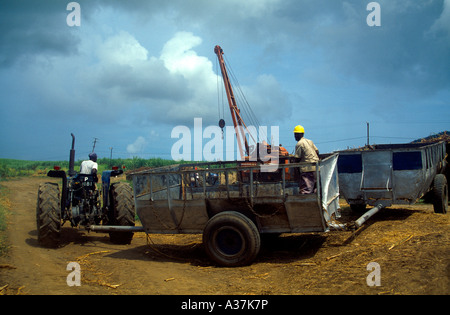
x,y
340,140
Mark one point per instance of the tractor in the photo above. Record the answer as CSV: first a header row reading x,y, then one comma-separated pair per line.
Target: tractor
x,y
80,203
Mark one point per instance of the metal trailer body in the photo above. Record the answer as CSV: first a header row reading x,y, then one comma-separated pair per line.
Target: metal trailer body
x,y
183,198
389,174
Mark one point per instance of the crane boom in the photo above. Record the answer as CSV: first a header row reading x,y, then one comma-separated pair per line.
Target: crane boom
x,y
238,122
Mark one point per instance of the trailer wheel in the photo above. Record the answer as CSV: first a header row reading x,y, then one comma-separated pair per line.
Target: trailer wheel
x,y
231,239
440,194
48,215
121,212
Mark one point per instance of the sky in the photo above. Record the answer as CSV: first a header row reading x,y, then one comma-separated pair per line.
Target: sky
x,y
132,72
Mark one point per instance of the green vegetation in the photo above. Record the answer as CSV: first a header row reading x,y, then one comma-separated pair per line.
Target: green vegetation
x,y
10,168
14,168
134,163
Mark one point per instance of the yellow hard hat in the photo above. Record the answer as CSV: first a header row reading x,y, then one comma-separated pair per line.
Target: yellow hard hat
x,y
299,129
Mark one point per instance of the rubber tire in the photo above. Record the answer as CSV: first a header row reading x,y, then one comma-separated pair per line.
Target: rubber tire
x,y
121,212
440,194
231,239
48,215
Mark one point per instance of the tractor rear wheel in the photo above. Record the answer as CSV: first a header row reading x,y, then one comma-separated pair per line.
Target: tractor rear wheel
x,y
121,212
48,215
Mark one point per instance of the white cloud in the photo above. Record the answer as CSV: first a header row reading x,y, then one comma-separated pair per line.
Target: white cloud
x,y
178,55
180,58
122,49
174,87
137,146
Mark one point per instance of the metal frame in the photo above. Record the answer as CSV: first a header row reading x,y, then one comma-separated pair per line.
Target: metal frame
x,y
161,195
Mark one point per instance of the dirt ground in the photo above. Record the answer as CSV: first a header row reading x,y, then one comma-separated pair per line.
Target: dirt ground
x,y
409,243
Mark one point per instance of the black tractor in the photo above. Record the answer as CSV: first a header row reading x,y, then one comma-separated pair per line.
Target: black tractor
x,y
80,203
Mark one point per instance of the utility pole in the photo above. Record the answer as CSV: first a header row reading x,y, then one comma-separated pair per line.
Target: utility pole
x,y
368,142
95,141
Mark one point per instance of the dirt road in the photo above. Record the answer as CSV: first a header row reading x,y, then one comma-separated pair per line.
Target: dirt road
x,y
409,243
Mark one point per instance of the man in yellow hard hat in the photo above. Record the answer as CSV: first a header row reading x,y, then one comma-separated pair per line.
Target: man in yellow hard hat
x,y
307,152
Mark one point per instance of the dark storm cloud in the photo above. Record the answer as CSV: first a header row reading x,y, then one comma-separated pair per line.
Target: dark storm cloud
x,y
410,49
34,27
137,65
405,50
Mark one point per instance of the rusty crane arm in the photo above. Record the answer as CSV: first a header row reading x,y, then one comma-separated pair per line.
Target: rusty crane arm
x,y
238,122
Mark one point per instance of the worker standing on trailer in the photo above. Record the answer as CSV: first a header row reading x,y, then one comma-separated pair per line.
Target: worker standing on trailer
x,y
306,151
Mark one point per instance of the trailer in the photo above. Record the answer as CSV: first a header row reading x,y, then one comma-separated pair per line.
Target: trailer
x,y
233,203
383,175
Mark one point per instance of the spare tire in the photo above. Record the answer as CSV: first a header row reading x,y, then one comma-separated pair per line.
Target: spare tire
x,y
231,239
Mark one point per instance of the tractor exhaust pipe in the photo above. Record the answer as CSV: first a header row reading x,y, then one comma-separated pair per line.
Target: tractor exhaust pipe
x,y
72,157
